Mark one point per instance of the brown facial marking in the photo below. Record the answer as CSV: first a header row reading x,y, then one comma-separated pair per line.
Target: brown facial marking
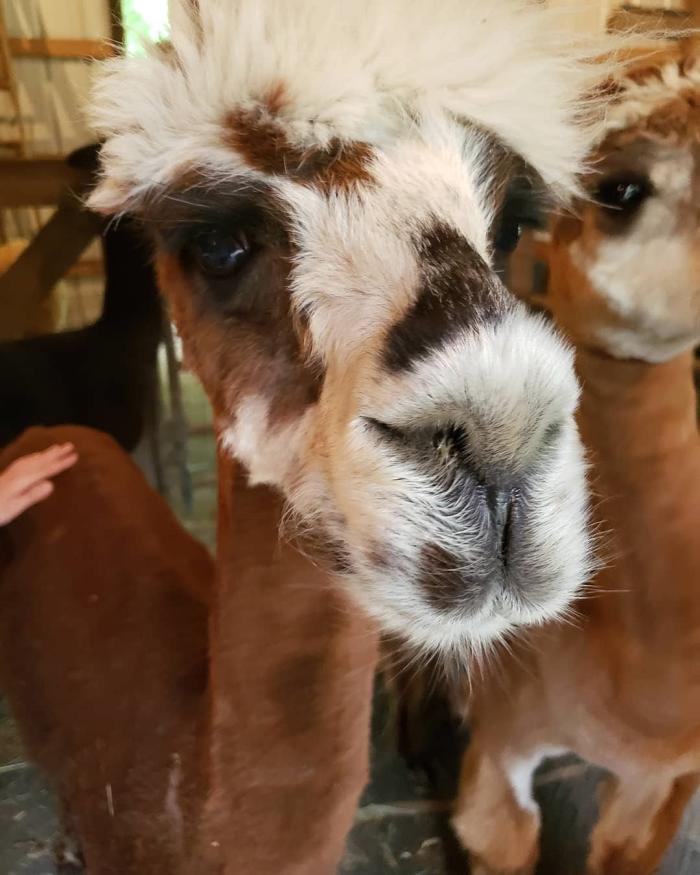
x,y
262,141
255,353
458,291
275,98
445,586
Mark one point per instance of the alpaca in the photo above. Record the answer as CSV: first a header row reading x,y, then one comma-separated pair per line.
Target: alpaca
x,y
104,642
330,188
103,655
619,686
104,375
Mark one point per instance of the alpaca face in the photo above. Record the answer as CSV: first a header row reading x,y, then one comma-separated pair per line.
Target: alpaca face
x,y
328,249
626,275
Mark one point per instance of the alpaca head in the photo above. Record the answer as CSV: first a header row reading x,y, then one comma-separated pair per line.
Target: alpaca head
x,y
625,273
329,186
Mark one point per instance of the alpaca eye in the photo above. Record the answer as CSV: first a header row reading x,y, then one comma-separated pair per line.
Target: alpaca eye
x,y
624,194
220,252
522,208
508,237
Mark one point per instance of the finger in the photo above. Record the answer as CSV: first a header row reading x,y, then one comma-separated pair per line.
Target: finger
x,y
37,493
59,463
38,466
58,451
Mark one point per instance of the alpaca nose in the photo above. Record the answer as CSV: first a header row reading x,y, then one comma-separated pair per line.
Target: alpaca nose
x,y
494,493
473,477
500,504
462,466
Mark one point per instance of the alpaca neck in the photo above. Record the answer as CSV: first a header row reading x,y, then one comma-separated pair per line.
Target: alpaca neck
x,y
292,671
639,423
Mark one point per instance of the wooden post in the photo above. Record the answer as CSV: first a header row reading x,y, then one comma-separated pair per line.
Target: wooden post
x,y
48,257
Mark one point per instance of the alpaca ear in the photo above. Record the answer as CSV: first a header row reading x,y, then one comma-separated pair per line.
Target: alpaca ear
x,y
86,158
108,198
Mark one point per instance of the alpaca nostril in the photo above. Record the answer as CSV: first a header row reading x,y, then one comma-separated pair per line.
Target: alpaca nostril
x,y
500,504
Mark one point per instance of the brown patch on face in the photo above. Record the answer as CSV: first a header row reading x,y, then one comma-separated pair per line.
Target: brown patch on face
x,y
263,143
458,291
255,352
275,99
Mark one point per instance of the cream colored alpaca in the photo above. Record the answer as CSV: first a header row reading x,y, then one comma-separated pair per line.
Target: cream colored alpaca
x,y
621,686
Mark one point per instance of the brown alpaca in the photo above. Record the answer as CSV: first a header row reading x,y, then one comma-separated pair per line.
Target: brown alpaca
x,y
620,685
104,651
103,654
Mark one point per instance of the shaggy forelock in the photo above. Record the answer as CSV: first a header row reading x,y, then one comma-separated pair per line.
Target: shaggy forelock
x,y
330,70
657,96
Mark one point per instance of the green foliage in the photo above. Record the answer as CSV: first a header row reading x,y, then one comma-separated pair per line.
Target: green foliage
x,y
144,20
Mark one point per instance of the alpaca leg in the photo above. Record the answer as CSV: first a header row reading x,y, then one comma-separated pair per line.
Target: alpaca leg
x,y
496,817
638,821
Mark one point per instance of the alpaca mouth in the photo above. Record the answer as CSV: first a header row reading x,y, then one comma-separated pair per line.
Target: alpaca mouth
x,y
491,545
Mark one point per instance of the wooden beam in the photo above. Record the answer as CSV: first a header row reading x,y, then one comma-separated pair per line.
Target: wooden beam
x,y
38,182
22,47
49,256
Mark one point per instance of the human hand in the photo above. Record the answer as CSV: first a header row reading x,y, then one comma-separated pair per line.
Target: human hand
x,y
26,481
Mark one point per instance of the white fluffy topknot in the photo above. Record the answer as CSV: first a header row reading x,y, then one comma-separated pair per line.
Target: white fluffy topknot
x,y
353,69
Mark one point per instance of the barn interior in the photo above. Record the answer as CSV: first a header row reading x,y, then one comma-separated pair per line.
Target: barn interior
x,y
67,273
